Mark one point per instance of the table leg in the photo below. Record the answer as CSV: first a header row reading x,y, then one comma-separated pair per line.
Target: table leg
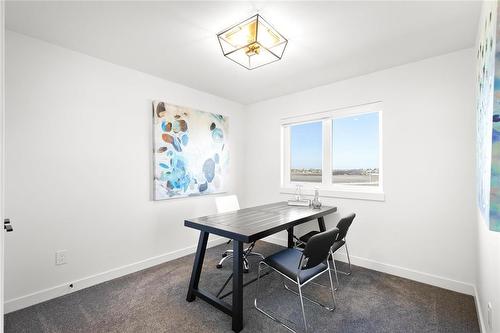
x,y
321,224
237,286
290,237
197,266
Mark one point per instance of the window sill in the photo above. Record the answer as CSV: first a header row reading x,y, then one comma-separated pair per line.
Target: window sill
x,y
344,193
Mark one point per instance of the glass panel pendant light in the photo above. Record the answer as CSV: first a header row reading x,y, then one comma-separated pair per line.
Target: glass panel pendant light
x,y
252,43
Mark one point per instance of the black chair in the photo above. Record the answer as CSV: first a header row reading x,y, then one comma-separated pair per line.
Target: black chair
x,y
343,225
301,268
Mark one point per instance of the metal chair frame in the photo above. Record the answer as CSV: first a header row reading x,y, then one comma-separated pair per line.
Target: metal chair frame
x,y
300,294
300,244
228,254
226,204
347,219
348,259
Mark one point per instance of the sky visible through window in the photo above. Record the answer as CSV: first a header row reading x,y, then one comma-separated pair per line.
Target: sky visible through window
x,y
306,146
355,143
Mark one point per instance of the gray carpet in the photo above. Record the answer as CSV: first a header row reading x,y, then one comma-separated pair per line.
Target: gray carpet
x,y
153,300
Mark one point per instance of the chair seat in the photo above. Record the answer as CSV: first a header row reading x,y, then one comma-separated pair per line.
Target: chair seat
x,y
305,238
287,262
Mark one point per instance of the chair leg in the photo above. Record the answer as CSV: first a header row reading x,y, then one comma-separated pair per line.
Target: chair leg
x,y
302,305
257,286
229,256
256,254
245,265
227,251
249,251
335,269
309,299
261,310
331,283
348,260
246,253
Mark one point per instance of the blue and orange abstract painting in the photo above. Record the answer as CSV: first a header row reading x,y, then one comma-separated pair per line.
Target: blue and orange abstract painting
x,y
191,152
488,119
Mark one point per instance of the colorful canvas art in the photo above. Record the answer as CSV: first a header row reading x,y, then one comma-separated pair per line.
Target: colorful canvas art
x,y
484,108
191,154
494,221
488,120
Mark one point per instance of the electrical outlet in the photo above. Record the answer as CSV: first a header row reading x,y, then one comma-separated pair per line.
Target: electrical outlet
x,y
490,316
61,257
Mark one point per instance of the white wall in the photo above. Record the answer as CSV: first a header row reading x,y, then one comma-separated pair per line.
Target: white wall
x,y
78,172
423,229
488,242
488,275
2,133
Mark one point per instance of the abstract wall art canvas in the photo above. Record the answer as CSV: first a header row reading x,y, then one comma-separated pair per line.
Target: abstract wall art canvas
x,y
484,109
494,221
191,152
488,119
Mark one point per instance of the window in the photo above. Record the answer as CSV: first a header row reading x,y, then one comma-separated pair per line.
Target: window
x,y
306,144
337,151
355,150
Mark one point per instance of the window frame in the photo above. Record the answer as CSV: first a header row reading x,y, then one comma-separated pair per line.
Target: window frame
x,y
326,187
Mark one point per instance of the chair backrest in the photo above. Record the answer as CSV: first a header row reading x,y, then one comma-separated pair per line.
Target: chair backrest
x,y
318,248
227,203
344,225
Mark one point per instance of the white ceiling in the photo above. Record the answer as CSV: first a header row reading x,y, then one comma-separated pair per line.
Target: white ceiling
x,y
328,41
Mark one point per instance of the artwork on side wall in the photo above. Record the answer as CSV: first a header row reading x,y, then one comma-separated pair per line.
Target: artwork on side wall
x,y
494,221
191,153
484,109
488,120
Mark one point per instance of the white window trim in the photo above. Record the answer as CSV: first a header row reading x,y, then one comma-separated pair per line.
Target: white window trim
x,y
326,188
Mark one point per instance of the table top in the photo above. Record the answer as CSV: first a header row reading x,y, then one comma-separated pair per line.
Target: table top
x,y
251,224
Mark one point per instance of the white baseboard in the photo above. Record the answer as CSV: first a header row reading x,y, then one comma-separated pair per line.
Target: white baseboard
x,y
434,280
482,325
63,289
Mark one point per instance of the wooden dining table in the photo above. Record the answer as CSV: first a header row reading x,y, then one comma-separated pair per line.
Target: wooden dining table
x,y
245,226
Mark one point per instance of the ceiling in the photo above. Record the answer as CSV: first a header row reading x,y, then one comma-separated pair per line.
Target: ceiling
x,y
328,41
